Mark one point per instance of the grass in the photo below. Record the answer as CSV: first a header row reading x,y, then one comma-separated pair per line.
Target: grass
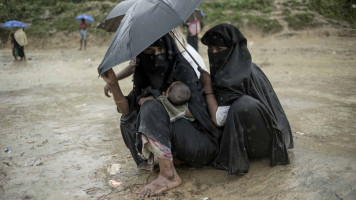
x,y
236,13
46,17
336,9
300,21
269,26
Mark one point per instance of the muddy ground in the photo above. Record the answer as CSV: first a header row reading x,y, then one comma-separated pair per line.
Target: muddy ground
x,y
65,139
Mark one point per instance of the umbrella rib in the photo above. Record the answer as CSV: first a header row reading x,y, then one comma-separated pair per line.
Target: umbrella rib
x,y
174,11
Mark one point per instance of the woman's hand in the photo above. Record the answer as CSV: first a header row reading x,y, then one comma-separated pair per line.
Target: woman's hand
x,y
204,77
143,99
109,77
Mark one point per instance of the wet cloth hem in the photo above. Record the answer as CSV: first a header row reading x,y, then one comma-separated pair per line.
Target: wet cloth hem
x,y
151,150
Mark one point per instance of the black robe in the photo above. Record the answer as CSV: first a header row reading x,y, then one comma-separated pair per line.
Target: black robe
x,y
256,124
193,142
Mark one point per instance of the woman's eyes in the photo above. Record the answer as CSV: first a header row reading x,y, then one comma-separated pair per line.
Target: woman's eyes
x,y
148,51
216,49
154,51
161,50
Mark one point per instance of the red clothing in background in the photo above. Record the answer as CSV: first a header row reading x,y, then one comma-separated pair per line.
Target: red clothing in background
x,y
83,26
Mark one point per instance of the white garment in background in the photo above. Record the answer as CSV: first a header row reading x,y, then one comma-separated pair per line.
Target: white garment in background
x,y
196,56
20,37
221,115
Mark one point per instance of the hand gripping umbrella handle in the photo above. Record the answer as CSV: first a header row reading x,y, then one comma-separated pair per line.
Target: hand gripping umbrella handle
x,y
185,49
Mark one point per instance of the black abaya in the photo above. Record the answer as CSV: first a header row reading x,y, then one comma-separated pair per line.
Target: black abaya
x,y
256,124
193,142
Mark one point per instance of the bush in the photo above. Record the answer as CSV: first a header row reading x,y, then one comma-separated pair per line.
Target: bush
x,y
337,9
264,24
300,21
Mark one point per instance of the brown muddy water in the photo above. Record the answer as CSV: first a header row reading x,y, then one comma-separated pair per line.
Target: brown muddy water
x,y
65,138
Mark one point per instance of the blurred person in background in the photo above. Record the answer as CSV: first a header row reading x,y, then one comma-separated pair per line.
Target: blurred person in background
x,y
83,34
193,31
20,41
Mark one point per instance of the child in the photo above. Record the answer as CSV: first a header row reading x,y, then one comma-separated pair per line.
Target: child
x,y
83,34
175,100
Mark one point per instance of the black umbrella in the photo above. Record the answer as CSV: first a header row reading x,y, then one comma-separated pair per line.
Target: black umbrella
x,y
112,22
145,22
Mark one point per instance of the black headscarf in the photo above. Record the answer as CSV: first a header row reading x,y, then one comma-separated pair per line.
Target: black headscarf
x,y
231,68
156,66
178,69
237,75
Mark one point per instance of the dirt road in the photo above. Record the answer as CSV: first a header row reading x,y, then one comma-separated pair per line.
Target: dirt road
x,y
65,139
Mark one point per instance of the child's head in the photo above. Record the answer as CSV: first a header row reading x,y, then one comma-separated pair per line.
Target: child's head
x,y
178,93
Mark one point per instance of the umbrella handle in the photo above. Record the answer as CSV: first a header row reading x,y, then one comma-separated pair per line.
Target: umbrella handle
x,y
185,49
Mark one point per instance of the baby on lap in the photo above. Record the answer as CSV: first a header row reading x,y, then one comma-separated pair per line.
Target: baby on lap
x,y
175,101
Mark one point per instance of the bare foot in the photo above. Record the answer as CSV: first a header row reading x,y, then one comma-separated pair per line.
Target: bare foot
x,y
160,185
167,179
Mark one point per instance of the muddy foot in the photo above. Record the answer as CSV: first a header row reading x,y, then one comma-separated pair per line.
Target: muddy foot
x,y
160,185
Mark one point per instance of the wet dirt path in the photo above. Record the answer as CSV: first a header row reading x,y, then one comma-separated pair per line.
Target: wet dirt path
x,y
65,139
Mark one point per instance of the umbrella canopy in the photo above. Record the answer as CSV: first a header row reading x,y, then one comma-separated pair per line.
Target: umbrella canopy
x,y
112,22
13,24
87,19
145,22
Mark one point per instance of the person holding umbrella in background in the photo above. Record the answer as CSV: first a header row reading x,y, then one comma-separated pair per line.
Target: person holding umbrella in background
x,y
83,34
193,31
18,39
85,20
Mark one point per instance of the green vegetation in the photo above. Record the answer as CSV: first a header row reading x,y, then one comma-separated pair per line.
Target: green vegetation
x,y
300,21
297,21
46,17
292,4
337,9
267,25
237,12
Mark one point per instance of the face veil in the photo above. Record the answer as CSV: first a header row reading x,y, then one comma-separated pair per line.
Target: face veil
x,y
218,60
156,69
228,74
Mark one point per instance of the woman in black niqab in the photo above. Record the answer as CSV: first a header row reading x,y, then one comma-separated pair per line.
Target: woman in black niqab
x,y
194,142
256,125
